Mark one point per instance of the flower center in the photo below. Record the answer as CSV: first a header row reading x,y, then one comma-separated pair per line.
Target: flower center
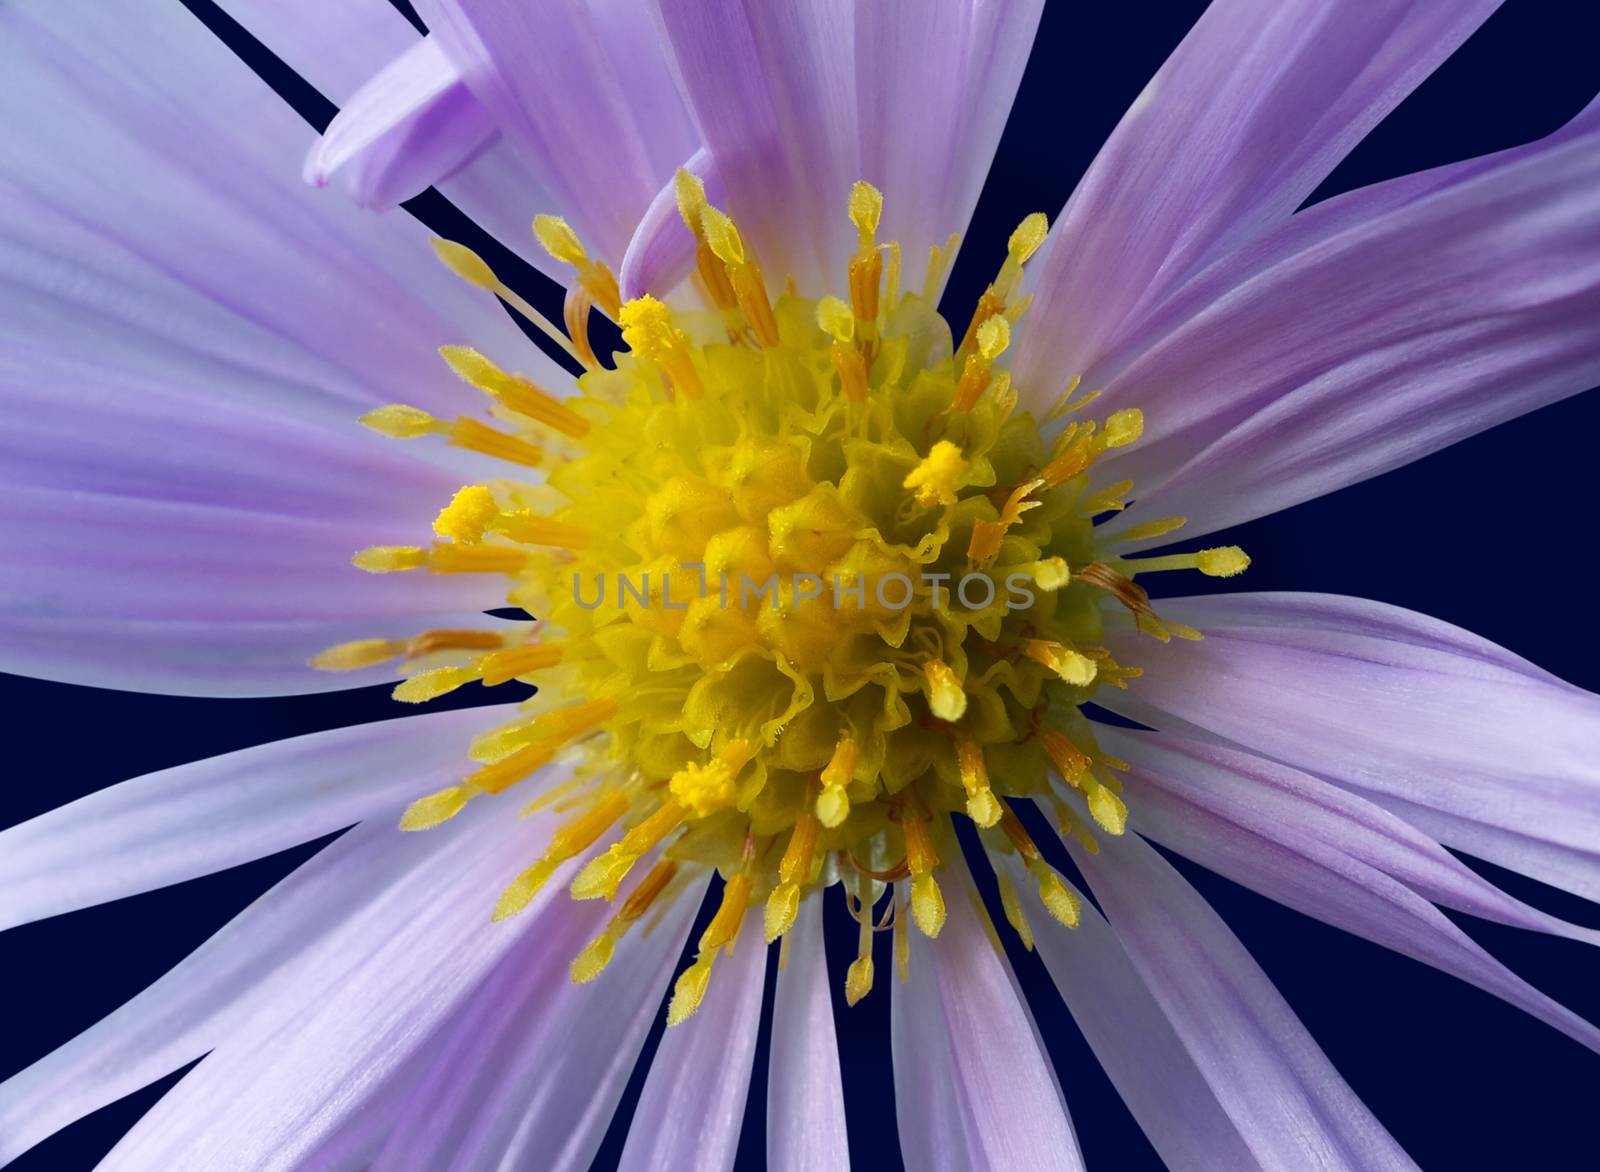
x,y
809,585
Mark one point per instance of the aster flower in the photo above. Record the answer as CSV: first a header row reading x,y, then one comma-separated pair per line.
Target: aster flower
x,y
765,200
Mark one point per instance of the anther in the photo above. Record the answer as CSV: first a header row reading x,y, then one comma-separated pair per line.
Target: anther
x,y
574,836
946,698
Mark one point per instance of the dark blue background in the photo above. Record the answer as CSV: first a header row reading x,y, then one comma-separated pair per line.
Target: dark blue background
x,y
1492,534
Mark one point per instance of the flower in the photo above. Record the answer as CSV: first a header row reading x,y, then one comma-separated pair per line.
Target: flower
x,y
185,488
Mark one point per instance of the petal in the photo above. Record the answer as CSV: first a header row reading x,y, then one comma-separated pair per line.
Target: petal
x,y
535,1065
692,1106
1249,114
1285,1098
935,84
1294,839
559,79
411,125
797,102
973,1086
178,823
1299,373
1476,748
1133,1040
326,1044
323,910
341,47
662,251
177,318
805,1095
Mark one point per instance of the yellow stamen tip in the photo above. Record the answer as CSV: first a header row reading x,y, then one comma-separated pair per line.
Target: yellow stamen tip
x,y
1223,562
520,892
601,876
983,808
430,811
559,240
1027,238
592,961
690,192
927,905
722,234
384,559
866,210
689,991
465,263
833,806
1108,809
858,980
358,654
934,480
398,421
466,518
1123,427
429,685
946,698
710,788
783,906
1051,573
994,335
1057,899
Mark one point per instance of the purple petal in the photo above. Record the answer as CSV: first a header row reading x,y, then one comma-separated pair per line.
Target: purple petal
x,y
805,1095
662,251
1323,852
934,84
411,126
1133,1040
1252,111
534,1065
973,1086
558,81
329,1043
1297,372
1469,744
798,102
692,1107
1285,1098
194,819
300,928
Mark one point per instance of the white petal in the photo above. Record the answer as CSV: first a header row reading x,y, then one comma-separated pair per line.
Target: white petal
x,y
973,1085
194,819
805,1096
692,1107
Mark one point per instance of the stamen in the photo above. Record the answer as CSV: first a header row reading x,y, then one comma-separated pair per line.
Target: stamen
x,y
594,958
531,529
1076,669
574,836
795,868
723,930
934,480
602,875
1053,893
707,789
982,807
561,242
471,268
513,391
927,901
466,518
946,698
358,654
987,535
858,980
648,330
722,234
1012,906
833,806
1222,562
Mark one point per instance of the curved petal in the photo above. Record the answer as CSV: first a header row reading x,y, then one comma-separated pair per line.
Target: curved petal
x,y
534,1065
692,1107
805,1094
1290,837
320,1051
662,251
1134,1042
1285,1098
973,1087
412,125
310,927
158,330
796,102
1469,744
194,819
1252,111
1300,373
341,47
560,78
